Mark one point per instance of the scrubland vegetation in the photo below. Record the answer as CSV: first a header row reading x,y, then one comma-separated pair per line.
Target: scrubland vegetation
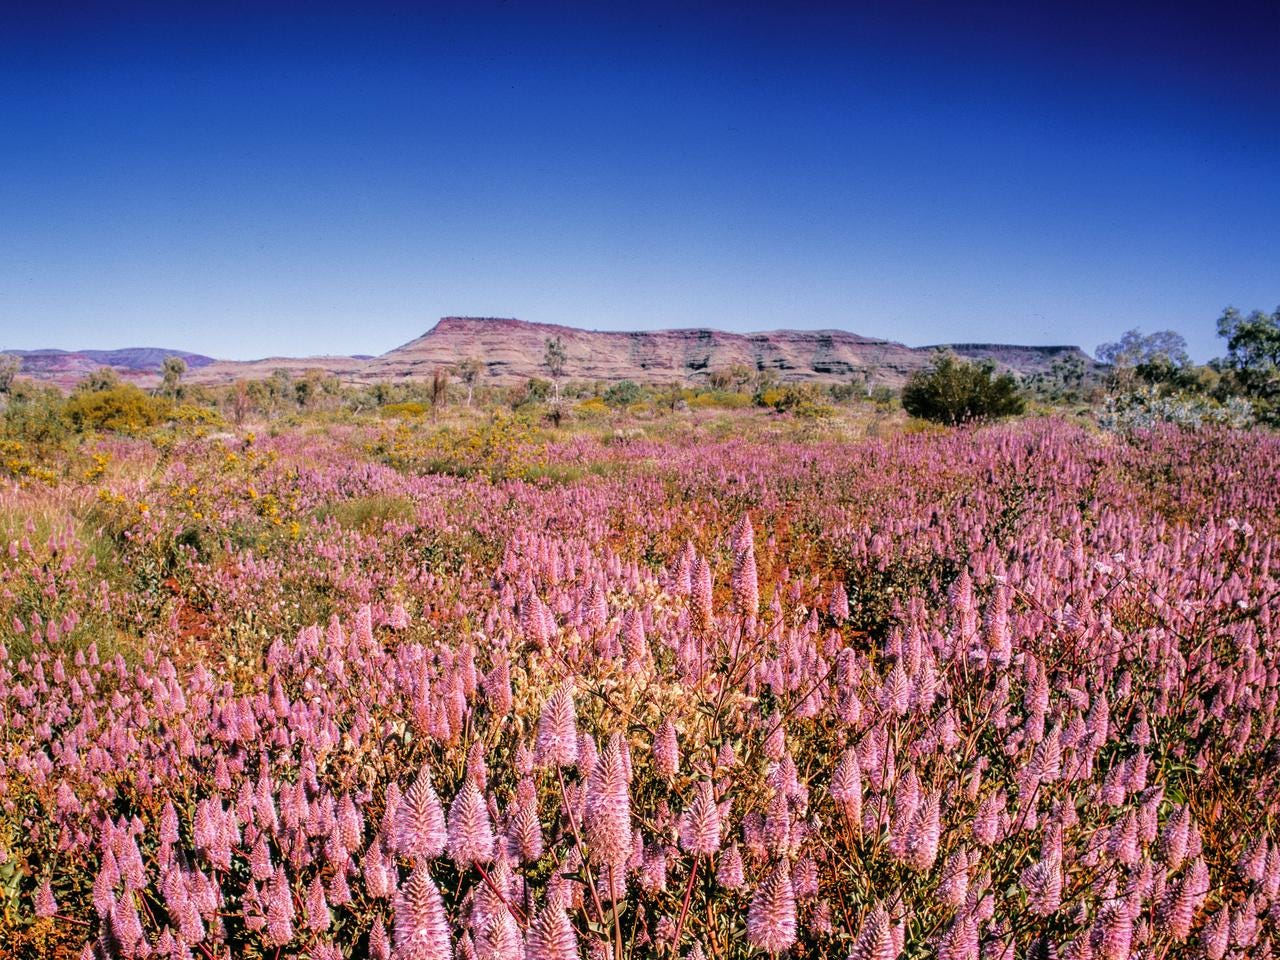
x,y
322,671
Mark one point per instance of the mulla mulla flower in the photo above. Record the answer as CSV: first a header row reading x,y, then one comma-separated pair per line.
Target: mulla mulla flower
x,y
838,606
1174,837
1043,883
421,925
960,941
608,808
924,833
46,905
953,887
635,644
1178,907
1215,935
497,688
317,906
846,787
280,912
776,829
875,940
700,823
500,939
746,590
730,873
557,744
1111,936
524,831
126,926
421,832
771,916
1033,737
551,935
470,832
666,750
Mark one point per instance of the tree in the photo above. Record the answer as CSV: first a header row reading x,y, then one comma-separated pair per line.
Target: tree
x,y
104,378
1253,356
954,391
672,396
241,400
554,360
765,380
9,367
1153,358
439,387
278,390
1069,379
171,371
468,372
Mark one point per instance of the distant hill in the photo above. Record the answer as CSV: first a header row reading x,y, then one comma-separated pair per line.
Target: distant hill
x,y
67,367
512,351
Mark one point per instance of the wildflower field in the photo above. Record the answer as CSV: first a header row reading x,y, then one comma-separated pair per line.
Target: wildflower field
x,y
1007,692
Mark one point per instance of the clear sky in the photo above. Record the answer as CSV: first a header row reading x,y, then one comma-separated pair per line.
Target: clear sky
x,y
256,179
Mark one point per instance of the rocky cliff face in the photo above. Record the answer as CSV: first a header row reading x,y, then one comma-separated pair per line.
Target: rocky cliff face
x,y
513,350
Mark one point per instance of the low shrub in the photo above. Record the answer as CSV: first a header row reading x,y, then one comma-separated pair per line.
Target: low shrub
x,y
123,408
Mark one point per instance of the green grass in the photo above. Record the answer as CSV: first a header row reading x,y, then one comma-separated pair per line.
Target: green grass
x,y
369,513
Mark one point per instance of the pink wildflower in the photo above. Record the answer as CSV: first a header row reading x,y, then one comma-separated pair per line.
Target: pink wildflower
x,y
700,824
551,936
608,809
46,905
420,824
771,917
421,927
875,939
470,832
558,729
729,869
666,750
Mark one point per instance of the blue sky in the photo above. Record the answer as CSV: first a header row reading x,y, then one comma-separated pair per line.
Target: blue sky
x,y
267,179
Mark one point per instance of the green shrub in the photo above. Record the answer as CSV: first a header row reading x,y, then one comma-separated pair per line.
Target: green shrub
x,y
36,414
954,391
812,411
883,396
120,409
410,408
720,399
195,415
803,401
623,394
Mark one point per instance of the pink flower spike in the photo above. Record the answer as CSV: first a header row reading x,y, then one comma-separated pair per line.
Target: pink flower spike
x,y
421,927
771,917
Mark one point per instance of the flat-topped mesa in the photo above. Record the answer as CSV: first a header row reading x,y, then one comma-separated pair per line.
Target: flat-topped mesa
x,y
1038,348
513,350
446,324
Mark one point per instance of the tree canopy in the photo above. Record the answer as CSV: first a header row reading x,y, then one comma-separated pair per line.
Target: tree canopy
x,y
1253,356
